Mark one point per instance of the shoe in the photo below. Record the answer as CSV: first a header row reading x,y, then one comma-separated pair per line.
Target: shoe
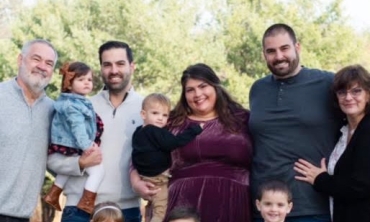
x,y
52,197
87,201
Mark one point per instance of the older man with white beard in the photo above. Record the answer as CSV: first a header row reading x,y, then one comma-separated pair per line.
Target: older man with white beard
x,y
25,117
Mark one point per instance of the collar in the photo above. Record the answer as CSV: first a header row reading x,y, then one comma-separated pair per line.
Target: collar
x,y
20,92
105,93
293,79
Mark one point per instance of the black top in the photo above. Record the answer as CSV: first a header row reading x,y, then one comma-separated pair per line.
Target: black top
x,y
152,146
350,184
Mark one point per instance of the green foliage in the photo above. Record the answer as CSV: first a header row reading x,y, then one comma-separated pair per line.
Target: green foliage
x,y
8,59
167,36
327,41
243,28
238,84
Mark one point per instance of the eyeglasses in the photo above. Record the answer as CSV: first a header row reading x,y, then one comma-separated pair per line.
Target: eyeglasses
x,y
355,92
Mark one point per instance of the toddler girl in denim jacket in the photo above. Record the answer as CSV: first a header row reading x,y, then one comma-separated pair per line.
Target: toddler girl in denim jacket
x,y
75,129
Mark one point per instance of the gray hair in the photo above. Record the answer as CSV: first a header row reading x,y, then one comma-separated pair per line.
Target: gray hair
x,y
27,45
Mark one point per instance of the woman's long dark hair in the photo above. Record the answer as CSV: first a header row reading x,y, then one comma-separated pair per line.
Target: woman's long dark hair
x,y
225,106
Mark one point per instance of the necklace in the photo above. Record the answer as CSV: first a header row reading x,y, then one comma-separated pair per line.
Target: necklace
x,y
202,118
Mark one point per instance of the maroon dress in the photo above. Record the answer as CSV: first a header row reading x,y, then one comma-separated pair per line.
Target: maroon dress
x,y
211,173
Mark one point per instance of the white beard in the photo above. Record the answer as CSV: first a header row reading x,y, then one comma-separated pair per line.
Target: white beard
x,y
36,79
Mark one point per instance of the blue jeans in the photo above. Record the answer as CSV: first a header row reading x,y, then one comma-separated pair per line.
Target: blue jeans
x,y
4,218
73,214
312,218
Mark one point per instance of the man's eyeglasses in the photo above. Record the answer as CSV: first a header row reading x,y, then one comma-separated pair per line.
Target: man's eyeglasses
x,y
355,92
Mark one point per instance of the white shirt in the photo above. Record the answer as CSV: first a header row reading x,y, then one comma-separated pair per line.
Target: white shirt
x,y
339,148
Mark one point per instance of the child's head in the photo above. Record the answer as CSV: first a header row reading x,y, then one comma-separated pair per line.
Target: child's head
x,y
183,214
77,78
156,109
107,212
274,201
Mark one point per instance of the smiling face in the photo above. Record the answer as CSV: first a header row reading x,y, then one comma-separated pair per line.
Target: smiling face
x,y
82,85
201,97
36,67
274,206
353,101
116,69
281,55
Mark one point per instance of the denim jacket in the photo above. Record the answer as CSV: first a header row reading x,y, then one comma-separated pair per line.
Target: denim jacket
x,y
74,122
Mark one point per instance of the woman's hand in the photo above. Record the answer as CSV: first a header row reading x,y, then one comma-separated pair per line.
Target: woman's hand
x,y
308,170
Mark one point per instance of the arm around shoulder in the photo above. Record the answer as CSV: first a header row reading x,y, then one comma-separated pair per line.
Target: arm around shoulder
x,y
171,141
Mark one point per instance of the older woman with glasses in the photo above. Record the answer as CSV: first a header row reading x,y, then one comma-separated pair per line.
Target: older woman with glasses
x,y
346,179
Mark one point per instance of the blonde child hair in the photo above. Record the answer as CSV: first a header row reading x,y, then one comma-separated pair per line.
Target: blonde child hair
x,y
154,99
107,212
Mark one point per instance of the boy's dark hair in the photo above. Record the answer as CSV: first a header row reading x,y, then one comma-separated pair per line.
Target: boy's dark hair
x,y
275,186
184,213
116,45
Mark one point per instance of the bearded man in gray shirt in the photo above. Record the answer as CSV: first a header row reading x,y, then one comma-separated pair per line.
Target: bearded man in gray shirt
x,y
25,117
291,117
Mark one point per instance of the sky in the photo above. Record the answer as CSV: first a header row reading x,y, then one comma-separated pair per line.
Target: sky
x,y
357,10
359,13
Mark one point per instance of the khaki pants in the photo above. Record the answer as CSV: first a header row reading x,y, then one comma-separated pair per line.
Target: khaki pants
x,y
159,201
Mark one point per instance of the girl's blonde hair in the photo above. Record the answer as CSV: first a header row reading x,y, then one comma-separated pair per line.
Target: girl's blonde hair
x,y
107,211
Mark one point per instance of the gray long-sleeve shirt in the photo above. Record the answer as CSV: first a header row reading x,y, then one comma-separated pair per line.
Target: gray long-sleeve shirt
x,y
24,139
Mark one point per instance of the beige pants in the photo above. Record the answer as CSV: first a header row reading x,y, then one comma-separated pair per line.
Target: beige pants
x,y
159,201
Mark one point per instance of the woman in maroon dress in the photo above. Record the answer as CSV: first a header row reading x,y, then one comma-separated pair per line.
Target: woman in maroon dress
x,y
211,173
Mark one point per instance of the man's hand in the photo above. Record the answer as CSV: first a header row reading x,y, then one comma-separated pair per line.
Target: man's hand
x,y
145,189
90,157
